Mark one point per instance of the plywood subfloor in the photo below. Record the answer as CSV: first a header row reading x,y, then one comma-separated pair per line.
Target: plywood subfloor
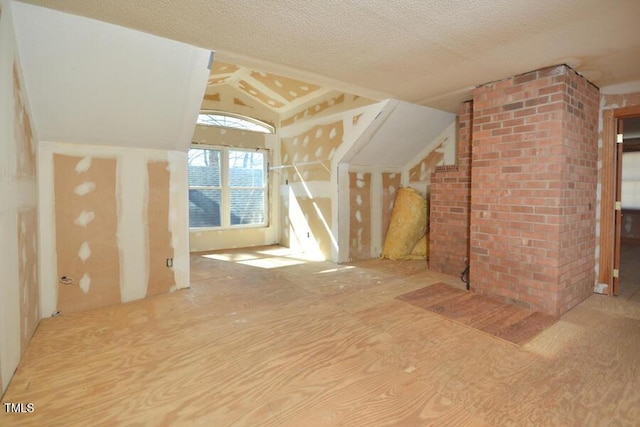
x,y
268,339
508,322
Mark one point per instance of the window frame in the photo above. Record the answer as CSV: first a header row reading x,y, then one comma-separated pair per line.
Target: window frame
x,y
267,128
225,196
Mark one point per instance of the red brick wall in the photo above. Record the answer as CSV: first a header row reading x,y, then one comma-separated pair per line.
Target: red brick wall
x,y
449,204
533,191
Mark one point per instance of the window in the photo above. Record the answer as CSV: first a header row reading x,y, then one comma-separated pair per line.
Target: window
x,y
233,121
227,187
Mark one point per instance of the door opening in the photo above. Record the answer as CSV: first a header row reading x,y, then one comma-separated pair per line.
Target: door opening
x,y
614,221
627,248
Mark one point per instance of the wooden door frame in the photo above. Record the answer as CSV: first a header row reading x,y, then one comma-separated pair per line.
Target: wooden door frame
x,y
608,192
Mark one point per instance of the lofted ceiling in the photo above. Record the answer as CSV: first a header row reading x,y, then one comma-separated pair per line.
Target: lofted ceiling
x,y
430,52
276,92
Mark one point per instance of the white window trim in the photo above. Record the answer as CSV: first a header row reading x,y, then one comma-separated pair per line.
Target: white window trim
x,y
266,128
225,209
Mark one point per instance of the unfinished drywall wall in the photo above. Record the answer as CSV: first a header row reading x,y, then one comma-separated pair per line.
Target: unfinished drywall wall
x,y
371,195
360,217
28,274
120,213
212,239
309,154
305,162
336,100
312,144
421,137
86,214
161,252
19,309
440,151
422,171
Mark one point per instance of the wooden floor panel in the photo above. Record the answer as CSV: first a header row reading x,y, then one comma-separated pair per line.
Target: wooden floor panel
x,y
514,324
321,344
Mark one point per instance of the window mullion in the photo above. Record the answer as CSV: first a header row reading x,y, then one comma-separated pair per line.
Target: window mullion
x,y
226,198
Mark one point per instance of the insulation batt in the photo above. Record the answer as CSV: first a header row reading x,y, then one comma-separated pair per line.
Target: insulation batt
x,y
407,227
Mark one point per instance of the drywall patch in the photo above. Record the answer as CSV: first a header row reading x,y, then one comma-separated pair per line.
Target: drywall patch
x,y
313,110
287,88
601,288
26,150
85,283
161,277
252,91
217,80
609,102
220,67
237,101
422,171
84,218
83,165
310,151
84,188
28,274
87,253
215,97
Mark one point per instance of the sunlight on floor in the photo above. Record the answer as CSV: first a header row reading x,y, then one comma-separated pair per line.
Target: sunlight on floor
x,y
335,270
231,257
271,262
291,253
272,257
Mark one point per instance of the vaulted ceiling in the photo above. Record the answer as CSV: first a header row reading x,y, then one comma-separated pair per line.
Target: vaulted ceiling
x,y
276,92
430,52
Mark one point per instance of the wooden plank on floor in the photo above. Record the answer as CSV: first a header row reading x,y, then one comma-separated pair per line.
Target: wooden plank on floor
x,y
515,324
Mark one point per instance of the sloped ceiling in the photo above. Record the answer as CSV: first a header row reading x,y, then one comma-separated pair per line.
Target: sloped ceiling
x,y
430,52
276,92
399,132
84,87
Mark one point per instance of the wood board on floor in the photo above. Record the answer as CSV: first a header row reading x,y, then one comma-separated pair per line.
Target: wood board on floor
x,y
517,325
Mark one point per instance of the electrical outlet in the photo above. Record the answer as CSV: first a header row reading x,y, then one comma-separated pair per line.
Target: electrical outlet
x,y
169,262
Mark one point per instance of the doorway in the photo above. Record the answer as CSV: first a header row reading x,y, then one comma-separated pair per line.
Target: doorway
x,y
614,223
628,286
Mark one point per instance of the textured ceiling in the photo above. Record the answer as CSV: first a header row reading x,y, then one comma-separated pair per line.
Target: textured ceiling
x,y
430,52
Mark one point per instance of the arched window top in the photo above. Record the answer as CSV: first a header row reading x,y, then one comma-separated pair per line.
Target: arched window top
x,y
234,121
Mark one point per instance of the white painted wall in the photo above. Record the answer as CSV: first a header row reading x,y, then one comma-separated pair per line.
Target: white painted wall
x,y
16,193
131,195
447,137
97,83
398,133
